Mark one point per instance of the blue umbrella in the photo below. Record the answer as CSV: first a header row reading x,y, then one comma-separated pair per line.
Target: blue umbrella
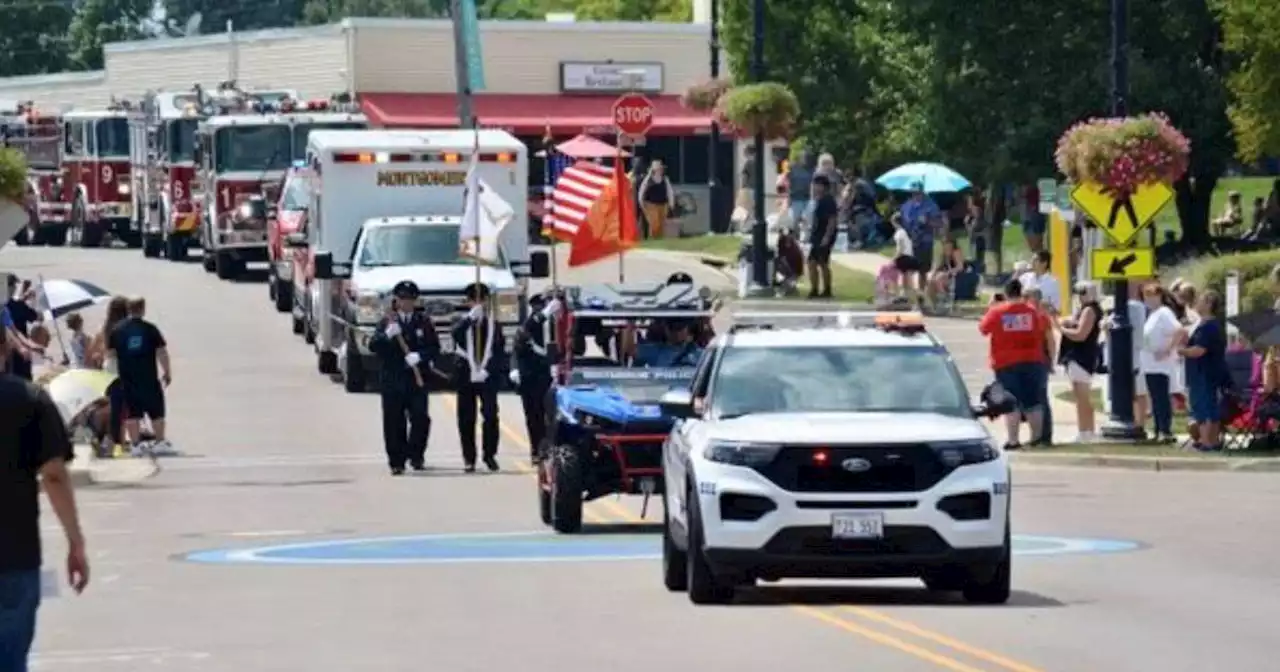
x,y
935,177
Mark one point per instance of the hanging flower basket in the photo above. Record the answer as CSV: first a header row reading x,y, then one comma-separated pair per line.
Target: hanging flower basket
x,y
702,97
1122,154
769,108
13,175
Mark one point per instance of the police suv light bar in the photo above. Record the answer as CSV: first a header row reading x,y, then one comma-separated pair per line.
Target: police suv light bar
x,y
842,319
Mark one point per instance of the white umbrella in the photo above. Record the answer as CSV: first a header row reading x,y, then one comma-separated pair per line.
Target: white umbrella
x,y
61,297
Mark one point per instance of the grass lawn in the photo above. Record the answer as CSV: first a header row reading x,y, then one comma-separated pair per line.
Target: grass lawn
x,y
848,285
1147,450
1179,418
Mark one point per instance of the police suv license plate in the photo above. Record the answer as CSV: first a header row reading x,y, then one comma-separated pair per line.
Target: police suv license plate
x,y
857,525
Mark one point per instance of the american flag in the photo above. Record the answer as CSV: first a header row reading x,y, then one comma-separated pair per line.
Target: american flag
x,y
574,190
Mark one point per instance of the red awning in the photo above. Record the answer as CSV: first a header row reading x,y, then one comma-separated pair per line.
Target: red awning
x,y
525,114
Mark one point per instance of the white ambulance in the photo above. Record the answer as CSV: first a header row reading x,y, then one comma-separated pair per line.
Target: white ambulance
x,y
387,206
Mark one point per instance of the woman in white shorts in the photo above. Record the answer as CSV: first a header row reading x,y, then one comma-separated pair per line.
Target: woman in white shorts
x,y
1080,354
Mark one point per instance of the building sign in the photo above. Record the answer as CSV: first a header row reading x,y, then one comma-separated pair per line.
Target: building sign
x,y
610,78
421,178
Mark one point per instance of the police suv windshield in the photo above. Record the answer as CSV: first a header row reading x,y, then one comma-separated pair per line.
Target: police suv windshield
x,y
111,137
182,140
252,148
838,379
410,245
302,131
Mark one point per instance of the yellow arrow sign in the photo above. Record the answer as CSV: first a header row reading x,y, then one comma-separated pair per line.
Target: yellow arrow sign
x,y
1122,220
1120,264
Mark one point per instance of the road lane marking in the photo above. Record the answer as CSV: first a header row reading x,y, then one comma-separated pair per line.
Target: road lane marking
x,y
625,516
943,640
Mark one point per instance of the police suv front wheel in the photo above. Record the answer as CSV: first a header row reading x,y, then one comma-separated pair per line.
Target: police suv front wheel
x,y
704,586
675,563
992,584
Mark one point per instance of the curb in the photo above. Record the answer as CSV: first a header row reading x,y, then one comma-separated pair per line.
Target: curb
x,y
1154,464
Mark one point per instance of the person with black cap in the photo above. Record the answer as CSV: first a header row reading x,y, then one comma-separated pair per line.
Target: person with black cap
x,y
535,356
481,348
406,344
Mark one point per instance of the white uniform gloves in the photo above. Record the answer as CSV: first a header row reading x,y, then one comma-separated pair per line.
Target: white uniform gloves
x,y
393,329
413,359
476,313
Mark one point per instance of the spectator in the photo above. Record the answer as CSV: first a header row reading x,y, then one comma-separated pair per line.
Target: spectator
x,y
865,215
942,277
19,316
904,260
790,260
1158,361
1033,222
827,168
1232,216
138,345
657,198
822,238
1259,221
975,224
799,188
922,219
34,451
78,343
101,357
1206,373
1080,355
1017,332
1040,276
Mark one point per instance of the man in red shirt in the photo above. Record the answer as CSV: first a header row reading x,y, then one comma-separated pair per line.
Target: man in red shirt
x,y
1018,333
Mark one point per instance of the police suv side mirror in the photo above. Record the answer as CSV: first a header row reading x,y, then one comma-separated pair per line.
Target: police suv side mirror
x,y
540,265
677,403
323,263
295,239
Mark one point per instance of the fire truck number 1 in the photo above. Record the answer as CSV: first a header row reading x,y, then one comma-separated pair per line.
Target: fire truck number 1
x,y
107,175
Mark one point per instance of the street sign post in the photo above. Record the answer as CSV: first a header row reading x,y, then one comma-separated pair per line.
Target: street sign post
x,y
633,114
1118,263
1048,189
1122,219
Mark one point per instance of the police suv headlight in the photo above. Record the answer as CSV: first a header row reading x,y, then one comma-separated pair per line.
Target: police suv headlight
x,y
369,308
507,308
955,454
741,454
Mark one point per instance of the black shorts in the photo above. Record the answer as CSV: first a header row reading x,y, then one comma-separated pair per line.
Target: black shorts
x,y
905,264
924,257
820,254
143,401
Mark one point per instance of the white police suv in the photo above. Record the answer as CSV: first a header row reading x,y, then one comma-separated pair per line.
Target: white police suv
x,y
835,445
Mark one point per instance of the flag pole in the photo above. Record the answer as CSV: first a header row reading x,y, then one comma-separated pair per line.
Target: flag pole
x,y
622,267
548,151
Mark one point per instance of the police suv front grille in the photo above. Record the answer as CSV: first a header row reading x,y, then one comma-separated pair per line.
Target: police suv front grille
x,y
868,468
817,541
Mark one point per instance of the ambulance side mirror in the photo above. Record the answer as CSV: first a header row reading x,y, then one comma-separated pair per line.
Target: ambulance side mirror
x,y
540,265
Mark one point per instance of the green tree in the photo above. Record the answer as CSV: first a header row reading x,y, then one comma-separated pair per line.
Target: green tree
x,y
97,22
1251,32
244,14
34,38
332,11
671,11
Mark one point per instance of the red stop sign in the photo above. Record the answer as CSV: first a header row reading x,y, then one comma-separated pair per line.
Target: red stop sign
x,y
633,114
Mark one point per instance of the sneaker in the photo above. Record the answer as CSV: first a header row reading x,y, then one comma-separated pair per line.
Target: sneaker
x,y
142,449
491,463
163,448
1012,446
1085,437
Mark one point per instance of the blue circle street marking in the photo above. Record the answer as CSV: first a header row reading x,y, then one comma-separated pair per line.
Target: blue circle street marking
x,y
540,547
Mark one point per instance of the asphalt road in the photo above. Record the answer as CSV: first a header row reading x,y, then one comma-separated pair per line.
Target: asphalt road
x,y
276,454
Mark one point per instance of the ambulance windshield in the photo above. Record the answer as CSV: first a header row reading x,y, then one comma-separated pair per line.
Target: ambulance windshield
x,y
411,245
111,137
182,140
301,131
252,148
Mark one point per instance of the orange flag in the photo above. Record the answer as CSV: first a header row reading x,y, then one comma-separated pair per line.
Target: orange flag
x,y
610,225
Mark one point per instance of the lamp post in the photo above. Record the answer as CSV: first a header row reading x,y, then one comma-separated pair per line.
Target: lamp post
x,y
461,67
759,237
715,190
1121,379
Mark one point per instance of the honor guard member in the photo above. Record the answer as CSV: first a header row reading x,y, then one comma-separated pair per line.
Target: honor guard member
x,y
483,365
535,355
407,345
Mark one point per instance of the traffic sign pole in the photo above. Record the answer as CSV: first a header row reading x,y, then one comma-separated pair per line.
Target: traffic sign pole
x,y
1121,380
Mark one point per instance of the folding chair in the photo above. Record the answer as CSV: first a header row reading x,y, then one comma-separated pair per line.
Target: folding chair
x,y
1245,415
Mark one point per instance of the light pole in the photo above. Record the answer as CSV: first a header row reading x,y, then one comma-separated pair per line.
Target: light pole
x,y
461,67
715,190
759,237
1121,379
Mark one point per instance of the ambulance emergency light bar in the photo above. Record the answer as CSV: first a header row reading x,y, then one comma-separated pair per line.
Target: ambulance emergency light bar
x,y
906,322
427,157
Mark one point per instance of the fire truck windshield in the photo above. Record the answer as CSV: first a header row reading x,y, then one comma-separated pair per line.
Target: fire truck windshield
x,y
301,131
111,137
182,140
251,148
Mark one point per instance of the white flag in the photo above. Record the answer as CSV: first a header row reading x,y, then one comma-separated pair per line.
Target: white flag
x,y
484,215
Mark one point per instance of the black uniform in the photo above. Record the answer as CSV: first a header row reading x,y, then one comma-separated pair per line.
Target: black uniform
x,y
535,354
479,393
402,397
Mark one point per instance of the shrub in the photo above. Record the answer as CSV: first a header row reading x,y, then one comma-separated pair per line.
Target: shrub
x,y
1256,295
769,108
13,175
1122,154
1211,273
703,96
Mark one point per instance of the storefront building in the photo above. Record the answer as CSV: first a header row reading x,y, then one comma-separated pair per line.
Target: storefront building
x,y
539,77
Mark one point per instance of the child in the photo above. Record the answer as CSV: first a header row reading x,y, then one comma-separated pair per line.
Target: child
x,y
790,260
79,342
888,284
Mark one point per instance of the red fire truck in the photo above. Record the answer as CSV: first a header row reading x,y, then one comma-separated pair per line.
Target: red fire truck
x,y
243,151
163,135
97,176
37,134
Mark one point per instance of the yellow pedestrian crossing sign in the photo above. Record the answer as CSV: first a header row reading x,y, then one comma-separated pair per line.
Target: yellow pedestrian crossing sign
x,y
1113,263
1122,219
